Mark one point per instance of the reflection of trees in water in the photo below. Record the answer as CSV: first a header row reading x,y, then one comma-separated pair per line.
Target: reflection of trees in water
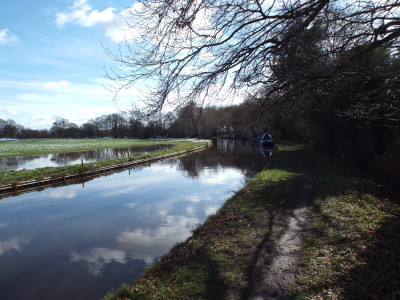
x,y
104,154
225,153
12,163
88,156
62,159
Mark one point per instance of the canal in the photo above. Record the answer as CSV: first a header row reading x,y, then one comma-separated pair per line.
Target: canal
x,y
81,240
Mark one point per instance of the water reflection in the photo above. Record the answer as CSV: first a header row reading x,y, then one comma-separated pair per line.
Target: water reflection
x,y
71,158
96,258
148,244
13,244
72,242
225,154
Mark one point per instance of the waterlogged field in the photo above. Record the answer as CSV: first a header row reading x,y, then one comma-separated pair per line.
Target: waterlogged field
x,y
45,146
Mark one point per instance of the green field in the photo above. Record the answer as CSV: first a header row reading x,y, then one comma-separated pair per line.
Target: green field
x,y
46,146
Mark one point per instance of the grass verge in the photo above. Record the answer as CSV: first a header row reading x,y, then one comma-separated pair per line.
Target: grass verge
x,y
351,250
12,177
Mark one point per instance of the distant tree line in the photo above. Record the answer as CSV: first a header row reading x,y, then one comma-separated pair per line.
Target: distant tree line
x,y
117,125
190,120
10,129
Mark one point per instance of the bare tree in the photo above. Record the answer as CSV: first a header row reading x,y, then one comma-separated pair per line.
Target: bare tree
x,y
190,49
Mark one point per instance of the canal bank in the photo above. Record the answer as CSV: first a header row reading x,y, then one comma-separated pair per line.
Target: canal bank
x,y
349,249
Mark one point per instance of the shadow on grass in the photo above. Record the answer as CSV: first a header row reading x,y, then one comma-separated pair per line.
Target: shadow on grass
x,y
254,270
215,288
352,250
378,274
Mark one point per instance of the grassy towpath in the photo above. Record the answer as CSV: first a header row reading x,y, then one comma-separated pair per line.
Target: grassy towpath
x,y
350,250
42,146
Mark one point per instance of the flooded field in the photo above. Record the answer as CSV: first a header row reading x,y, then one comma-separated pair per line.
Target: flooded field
x,y
72,158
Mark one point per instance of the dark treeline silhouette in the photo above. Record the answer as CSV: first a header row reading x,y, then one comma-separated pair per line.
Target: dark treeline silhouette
x,y
10,129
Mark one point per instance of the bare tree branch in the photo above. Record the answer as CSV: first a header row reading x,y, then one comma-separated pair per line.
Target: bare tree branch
x,y
188,48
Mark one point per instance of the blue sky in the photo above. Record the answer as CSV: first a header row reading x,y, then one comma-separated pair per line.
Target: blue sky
x,y
51,59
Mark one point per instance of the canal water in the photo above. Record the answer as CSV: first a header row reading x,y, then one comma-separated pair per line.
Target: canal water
x,y
81,240
72,158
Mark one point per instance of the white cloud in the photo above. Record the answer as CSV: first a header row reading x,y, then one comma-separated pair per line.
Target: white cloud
x,y
115,25
6,36
55,85
82,14
120,34
8,111
40,121
46,61
124,27
36,104
40,85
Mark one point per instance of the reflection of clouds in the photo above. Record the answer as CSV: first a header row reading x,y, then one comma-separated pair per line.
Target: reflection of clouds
x,y
210,178
120,187
190,210
148,244
171,204
3,225
15,243
211,210
164,168
132,205
96,258
37,162
7,200
62,194
194,198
